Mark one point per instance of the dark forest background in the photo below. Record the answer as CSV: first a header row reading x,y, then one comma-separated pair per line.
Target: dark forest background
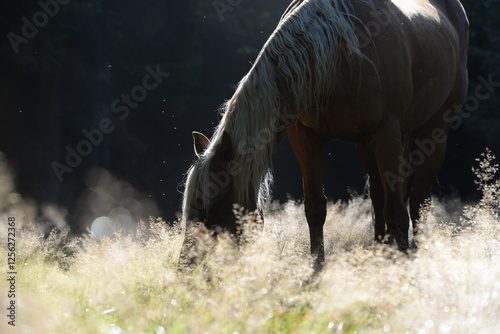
x,y
64,79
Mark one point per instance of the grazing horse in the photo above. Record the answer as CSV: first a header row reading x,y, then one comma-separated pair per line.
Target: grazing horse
x,y
387,75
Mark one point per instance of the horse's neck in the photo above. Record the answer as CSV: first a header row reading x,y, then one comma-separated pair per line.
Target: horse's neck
x,y
254,141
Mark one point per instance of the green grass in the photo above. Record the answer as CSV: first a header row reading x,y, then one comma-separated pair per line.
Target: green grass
x,y
133,283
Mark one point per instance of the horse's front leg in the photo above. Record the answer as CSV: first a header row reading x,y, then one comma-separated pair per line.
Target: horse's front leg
x,y
308,149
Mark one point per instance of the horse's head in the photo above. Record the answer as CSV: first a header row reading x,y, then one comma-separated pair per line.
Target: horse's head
x,y
209,195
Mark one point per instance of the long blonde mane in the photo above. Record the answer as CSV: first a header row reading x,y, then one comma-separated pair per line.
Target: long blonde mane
x,y
292,72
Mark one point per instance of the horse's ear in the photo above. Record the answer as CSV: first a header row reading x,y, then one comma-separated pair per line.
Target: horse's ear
x,y
224,152
201,143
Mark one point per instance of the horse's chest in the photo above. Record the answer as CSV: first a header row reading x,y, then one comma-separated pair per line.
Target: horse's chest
x,y
341,122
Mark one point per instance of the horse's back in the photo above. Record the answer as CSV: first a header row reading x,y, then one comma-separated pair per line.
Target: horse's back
x,y
420,55
411,62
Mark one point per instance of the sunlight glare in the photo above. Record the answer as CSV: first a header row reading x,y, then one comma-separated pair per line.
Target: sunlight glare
x,y
103,227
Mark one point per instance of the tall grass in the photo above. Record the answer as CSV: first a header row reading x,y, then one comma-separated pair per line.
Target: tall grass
x,y
133,282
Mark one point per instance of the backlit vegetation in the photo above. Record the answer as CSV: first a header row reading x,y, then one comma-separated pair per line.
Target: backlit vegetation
x,y
265,283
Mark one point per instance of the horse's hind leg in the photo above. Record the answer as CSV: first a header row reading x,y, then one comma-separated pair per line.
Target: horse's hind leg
x,y
308,149
430,142
376,191
388,149
432,146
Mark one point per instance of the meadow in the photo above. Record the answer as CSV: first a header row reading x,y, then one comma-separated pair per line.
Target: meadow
x,y
265,283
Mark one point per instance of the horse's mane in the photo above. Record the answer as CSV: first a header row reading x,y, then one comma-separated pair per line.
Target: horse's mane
x,y
293,72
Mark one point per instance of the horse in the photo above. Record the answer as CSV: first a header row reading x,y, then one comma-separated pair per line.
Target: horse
x,y
389,76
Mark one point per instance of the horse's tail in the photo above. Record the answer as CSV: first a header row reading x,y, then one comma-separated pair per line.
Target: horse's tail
x,y
408,147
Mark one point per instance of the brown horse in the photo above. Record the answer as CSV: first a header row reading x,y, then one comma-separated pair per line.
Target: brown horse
x,y
387,75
